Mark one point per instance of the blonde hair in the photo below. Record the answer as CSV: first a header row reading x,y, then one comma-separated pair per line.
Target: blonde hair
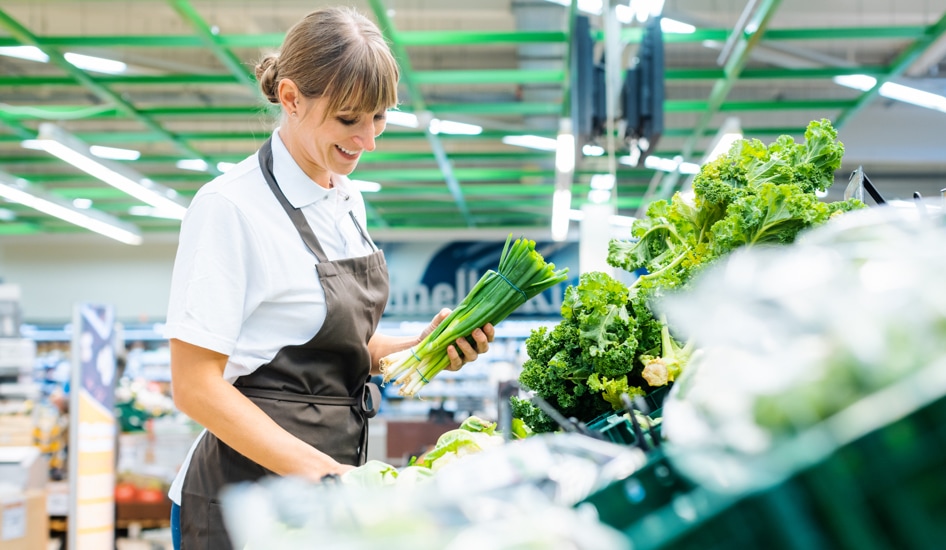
x,y
336,53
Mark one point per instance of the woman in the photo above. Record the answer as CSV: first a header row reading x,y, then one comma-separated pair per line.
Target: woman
x,y
277,289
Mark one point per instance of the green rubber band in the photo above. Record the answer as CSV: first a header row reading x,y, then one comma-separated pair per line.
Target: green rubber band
x,y
514,287
414,354
422,377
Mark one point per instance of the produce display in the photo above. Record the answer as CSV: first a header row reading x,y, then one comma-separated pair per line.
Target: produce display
x,y
511,496
610,340
796,337
474,435
522,274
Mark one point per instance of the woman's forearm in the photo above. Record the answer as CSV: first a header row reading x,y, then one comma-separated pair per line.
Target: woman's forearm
x,y
201,393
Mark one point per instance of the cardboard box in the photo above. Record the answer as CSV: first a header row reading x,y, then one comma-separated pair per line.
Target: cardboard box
x,y
24,524
23,467
16,430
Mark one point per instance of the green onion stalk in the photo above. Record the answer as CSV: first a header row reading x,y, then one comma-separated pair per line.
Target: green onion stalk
x,y
522,274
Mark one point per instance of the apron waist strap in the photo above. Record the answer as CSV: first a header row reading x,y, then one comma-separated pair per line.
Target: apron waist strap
x,y
299,397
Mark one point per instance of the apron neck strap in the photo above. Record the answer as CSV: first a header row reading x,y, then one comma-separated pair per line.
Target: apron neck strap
x,y
298,219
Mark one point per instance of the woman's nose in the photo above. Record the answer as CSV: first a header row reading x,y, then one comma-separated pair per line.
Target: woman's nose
x,y
365,137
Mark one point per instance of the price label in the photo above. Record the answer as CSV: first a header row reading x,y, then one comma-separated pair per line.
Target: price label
x,y
13,525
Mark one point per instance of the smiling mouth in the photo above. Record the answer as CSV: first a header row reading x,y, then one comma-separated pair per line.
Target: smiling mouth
x,y
347,153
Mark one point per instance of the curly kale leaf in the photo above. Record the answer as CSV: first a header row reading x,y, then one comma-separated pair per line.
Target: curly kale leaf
x,y
532,416
771,214
612,389
816,162
597,335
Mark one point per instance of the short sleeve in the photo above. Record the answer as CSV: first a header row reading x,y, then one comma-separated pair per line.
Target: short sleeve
x,y
216,269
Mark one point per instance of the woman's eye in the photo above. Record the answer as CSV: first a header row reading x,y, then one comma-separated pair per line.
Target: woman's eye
x,y
347,121
380,116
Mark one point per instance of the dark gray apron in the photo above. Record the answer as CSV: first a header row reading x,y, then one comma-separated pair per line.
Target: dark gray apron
x,y
317,391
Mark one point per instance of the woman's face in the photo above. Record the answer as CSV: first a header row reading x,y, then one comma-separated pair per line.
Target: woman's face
x,y
330,143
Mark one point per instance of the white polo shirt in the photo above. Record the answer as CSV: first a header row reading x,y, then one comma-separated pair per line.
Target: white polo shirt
x,y
244,284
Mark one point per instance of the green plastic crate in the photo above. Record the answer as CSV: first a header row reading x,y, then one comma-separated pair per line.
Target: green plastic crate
x,y
652,487
885,490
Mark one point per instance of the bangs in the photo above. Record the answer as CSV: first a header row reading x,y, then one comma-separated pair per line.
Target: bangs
x,y
367,85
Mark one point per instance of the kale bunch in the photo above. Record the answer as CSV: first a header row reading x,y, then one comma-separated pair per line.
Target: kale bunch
x,y
753,195
583,364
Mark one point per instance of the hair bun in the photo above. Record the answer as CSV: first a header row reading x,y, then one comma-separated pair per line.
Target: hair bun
x,y
267,77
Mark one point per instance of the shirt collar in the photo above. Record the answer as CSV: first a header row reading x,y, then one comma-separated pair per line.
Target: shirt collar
x,y
299,188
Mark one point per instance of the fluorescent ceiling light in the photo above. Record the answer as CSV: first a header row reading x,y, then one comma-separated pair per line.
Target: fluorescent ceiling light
x,y
81,203
67,147
95,64
20,191
587,6
151,212
671,165
672,26
366,186
642,10
892,90
532,142
860,82
561,205
592,150
400,118
565,153
29,53
197,165
602,181
620,221
114,153
662,164
85,62
599,196
438,126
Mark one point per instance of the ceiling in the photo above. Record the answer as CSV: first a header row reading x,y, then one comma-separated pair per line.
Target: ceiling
x,y
500,64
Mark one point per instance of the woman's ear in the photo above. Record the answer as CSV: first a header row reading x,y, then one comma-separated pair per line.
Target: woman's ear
x,y
289,96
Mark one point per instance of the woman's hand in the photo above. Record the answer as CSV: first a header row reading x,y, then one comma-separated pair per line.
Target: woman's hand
x,y
462,351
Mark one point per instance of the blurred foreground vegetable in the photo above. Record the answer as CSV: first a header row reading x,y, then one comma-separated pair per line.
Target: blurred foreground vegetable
x,y
522,274
474,435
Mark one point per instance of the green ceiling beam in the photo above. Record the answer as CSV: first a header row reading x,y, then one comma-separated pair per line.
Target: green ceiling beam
x,y
910,32
847,33
774,73
417,102
19,228
465,38
494,76
120,79
485,109
212,41
475,77
897,68
375,157
736,62
505,108
20,132
498,109
25,37
151,137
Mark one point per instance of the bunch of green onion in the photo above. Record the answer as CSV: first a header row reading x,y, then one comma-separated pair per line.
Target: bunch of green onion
x,y
522,274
